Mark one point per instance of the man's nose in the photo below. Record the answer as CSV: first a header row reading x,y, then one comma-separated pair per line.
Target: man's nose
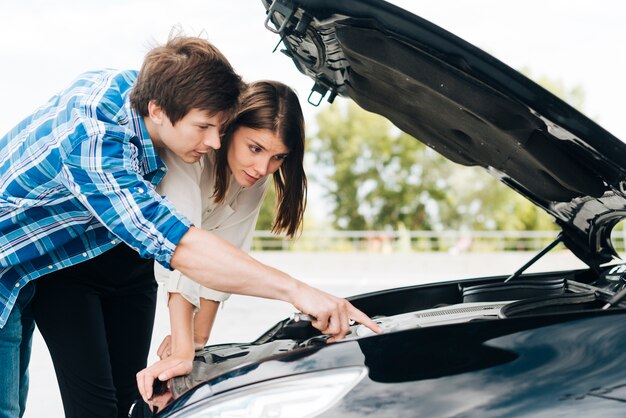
x,y
213,139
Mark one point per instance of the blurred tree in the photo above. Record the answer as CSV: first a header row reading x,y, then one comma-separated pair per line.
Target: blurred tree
x,y
268,208
481,202
268,211
376,176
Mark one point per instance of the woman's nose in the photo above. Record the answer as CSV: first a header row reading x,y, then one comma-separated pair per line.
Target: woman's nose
x,y
262,167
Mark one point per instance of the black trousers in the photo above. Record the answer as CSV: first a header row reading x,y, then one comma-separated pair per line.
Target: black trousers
x,y
96,318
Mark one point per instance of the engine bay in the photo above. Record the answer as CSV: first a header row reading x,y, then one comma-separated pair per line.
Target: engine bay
x,y
477,301
436,305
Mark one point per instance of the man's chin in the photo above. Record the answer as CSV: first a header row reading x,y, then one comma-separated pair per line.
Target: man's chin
x,y
192,158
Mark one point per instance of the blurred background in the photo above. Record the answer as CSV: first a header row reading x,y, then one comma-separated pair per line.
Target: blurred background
x,y
383,209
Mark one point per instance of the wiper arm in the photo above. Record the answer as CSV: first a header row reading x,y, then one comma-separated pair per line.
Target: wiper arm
x,y
543,252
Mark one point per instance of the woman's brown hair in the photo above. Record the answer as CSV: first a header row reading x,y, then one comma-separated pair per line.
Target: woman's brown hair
x,y
274,106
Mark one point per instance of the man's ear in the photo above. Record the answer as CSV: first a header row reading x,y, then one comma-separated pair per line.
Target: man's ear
x,y
156,112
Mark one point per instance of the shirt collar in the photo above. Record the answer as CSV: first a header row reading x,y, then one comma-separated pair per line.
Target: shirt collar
x,y
151,161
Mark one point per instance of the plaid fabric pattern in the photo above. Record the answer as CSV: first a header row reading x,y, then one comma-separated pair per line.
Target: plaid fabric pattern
x,y
77,177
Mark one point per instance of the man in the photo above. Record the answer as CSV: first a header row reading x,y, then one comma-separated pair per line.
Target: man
x,y
77,179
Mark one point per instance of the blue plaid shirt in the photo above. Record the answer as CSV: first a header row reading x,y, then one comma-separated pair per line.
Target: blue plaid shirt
x,y
77,177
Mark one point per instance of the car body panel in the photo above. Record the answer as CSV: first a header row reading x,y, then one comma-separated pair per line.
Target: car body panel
x,y
542,365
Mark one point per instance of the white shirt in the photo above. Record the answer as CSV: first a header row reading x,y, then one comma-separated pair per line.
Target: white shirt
x,y
190,188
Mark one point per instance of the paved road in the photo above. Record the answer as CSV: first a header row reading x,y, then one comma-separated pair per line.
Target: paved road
x,y
343,274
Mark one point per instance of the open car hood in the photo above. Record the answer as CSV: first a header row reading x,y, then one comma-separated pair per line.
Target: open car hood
x,y
465,104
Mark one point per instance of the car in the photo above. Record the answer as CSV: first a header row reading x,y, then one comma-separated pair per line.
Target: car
x,y
515,345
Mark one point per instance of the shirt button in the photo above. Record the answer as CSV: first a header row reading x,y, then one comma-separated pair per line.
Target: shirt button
x,y
84,254
162,169
17,285
50,267
113,242
140,190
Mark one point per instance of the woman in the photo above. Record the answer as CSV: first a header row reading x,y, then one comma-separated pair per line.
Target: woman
x,y
223,193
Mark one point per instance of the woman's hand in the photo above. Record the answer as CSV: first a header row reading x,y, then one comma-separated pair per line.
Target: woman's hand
x,y
173,365
199,341
165,348
332,315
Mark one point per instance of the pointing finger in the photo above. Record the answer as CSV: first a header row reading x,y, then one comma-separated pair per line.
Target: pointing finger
x,y
363,319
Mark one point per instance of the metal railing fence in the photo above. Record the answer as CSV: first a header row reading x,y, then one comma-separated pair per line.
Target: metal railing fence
x,y
395,241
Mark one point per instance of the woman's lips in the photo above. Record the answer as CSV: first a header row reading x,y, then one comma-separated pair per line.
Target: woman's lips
x,y
251,178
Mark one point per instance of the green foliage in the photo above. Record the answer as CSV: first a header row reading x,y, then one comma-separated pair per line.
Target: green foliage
x,y
377,176
481,202
267,213
268,209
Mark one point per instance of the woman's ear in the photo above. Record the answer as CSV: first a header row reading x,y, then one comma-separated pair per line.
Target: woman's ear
x,y
156,113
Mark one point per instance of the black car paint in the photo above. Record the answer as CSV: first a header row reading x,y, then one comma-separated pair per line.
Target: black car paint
x,y
551,364
528,366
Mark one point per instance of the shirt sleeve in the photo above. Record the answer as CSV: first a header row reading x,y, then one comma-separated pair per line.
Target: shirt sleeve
x,y
101,174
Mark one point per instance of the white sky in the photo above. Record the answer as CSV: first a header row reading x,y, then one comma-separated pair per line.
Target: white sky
x,y
44,44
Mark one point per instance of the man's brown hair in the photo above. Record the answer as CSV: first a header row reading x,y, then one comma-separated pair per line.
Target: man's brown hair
x,y
184,74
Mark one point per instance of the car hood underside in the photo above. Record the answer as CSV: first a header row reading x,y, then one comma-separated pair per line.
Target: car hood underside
x,y
468,106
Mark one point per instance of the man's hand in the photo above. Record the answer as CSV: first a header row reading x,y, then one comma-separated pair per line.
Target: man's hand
x,y
163,370
331,314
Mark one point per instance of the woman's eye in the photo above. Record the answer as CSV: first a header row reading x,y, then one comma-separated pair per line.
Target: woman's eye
x,y
280,157
255,149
